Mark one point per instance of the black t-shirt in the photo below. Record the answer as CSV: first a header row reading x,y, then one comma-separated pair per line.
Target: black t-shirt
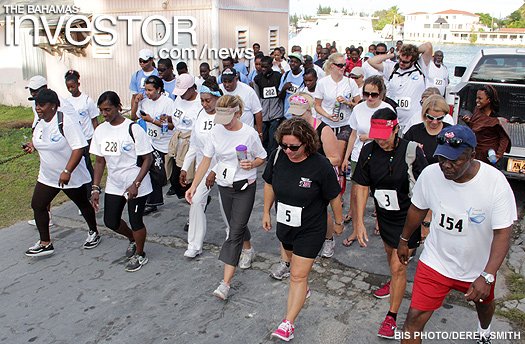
x,y
319,131
376,175
263,81
419,134
310,185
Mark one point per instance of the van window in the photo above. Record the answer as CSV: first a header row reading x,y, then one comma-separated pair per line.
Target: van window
x,y
500,69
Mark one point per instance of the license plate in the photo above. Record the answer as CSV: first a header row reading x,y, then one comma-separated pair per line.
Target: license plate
x,y
516,166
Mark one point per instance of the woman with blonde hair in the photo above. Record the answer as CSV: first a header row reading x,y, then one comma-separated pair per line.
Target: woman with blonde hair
x,y
238,152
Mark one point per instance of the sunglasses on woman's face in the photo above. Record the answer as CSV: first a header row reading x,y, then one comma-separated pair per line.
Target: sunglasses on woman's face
x,y
431,118
292,148
370,94
454,142
340,65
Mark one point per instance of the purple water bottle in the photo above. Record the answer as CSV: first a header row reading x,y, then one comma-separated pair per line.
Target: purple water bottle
x,y
242,152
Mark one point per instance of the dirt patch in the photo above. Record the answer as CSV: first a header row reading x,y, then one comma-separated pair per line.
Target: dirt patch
x,y
16,125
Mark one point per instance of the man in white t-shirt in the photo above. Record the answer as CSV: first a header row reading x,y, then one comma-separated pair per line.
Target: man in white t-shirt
x,y
252,106
473,208
405,79
438,73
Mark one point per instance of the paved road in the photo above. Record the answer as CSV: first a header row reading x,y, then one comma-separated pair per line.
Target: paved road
x,y
86,296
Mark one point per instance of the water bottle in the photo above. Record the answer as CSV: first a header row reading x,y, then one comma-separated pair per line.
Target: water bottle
x,y
242,152
349,172
164,125
336,110
492,156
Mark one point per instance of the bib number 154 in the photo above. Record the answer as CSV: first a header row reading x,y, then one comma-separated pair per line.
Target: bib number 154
x,y
452,225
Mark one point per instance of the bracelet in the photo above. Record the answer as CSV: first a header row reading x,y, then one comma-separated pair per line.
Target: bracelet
x,y
401,237
338,224
260,134
95,186
66,171
425,224
95,191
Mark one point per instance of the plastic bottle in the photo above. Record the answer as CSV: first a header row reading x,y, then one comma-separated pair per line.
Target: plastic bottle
x,y
164,125
492,156
242,152
349,172
336,110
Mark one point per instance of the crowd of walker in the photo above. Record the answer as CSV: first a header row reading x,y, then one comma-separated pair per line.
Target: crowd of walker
x,y
381,122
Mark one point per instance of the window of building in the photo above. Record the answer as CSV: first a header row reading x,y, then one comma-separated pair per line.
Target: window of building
x,y
446,26
435,26
503,36
513,36
103,51
243,37
493,36
273,37
427,26
460,26
483,36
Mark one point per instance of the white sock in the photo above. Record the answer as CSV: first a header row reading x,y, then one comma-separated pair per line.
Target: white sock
x,y
484,332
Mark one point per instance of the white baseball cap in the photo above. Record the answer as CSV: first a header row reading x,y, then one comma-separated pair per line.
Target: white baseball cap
x,y
145,54
36,82
182,83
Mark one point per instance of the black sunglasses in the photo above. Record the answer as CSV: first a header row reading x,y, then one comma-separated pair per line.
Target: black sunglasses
x,y
292,148
143,61
404,61
380,52
162,69
370,94
454,142
431,118
340,65
355,77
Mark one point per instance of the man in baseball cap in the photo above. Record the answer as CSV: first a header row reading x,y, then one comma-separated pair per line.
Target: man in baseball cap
x,y
46,96
35,83
453,140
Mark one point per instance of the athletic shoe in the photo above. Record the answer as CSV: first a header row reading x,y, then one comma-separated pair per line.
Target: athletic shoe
x,y
308,294
150,209
384,292
284,331
388,328
132,249
328,248
39,250
79,212
33,222
222,291
187,226
136,262
483,340
246,258
171,192
192,253
92,240
282,271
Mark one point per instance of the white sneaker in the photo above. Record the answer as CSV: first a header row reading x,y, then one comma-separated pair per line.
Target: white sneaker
x,y
192,253
222,291
33,222
328,248
79,212
246,258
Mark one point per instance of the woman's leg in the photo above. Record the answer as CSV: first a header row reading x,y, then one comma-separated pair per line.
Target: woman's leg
x,y
399,278
42,197
136,211
198,226
80,197
300,270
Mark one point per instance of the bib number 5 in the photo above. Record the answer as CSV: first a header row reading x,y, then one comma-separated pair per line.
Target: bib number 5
x,y
289,215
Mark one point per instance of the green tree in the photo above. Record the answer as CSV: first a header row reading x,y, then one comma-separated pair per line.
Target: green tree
x,y
323,10
473,38
487,19
387,17
294,19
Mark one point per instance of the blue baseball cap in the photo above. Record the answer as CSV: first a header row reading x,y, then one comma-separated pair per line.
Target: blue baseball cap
x,y
453,140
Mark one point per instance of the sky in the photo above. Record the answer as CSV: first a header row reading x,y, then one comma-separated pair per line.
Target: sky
x,y
503,8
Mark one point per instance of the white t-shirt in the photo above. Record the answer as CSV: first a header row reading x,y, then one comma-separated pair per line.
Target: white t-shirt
x,y
328,90
464,216
185,113
221,144
437,77
405,87
155,109
65,107
199,136
284,65
369,70
320,72
360,122
252,104
87,110
55,151
116,146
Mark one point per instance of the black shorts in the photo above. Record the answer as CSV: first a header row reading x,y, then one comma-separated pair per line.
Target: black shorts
x,y
343,133
113,207
305,251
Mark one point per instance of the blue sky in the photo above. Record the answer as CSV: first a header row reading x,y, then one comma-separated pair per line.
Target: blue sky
x,y
503,8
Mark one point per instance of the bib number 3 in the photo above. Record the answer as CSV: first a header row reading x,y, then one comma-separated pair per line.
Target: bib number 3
x,y
387,199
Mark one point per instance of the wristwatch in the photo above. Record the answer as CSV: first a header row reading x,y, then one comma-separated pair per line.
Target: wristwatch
x,y
137,184
488,277
425,224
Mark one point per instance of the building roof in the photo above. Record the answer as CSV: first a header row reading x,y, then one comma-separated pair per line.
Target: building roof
x,y
416,13
457,12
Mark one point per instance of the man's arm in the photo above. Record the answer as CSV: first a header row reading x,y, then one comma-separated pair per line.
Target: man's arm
x,y
425,50
414,219
377,61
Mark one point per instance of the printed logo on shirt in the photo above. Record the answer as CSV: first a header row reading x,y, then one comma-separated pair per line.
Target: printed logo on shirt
x,y
305,183
127,147
415,77
55,138
449,135
476,215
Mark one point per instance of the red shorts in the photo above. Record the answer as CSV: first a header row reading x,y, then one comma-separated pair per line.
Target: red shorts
x,y
431,287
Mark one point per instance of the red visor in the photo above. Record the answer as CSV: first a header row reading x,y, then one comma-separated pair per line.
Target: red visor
x,y
381,128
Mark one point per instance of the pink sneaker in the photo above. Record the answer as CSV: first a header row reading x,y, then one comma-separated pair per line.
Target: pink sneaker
x,y
285,331
383,292
388,328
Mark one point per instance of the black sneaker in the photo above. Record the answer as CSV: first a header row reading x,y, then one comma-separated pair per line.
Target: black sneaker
x,y
136,262
132,248
150,209
92,240
171,192
39,250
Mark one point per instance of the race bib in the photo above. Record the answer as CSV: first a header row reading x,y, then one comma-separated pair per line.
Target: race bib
x,y
39,133
269,92
226,172
387,199
110,148
206,126
439,82
404,103
142,82
289,215
450,222
293,88
154,133
178,113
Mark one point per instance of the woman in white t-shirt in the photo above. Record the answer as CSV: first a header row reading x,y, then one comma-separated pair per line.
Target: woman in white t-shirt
x,y
117,143
209,94
155,110
60,143
87,110
239,151
374,91
279,64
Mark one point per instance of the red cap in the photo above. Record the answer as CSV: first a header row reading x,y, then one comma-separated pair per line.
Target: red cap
x,y
381,128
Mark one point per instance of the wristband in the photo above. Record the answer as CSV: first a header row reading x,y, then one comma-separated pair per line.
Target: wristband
x,y
339,224
66,171
401,237
137,184
95,186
